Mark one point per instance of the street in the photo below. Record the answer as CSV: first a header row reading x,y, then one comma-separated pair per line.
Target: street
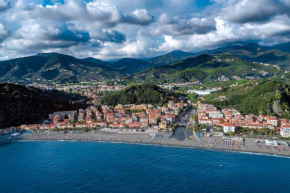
x,y
181,133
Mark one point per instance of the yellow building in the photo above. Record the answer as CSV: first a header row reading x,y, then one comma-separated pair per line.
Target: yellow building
x,y
163,125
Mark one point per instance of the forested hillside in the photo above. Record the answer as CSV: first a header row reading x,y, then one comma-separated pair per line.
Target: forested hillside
x,y
140,94
21,105
130,65
206,68
171,57
277,54
267,98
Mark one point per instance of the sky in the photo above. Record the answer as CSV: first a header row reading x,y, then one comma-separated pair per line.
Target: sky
x,y
110,29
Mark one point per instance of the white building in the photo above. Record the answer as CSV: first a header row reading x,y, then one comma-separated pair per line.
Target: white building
x,y
229,128
273,121
271,143
201,92
285,131
205,121
214,114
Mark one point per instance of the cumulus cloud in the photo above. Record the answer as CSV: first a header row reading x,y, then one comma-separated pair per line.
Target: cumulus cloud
x,y
36,35
140,17
66,33
178,26
69,11
4,5
227,33
110,14
124,28
3,32
256,11
114,36
172,43
94,11
140,47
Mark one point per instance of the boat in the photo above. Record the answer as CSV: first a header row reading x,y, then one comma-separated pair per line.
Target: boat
x,y
15,134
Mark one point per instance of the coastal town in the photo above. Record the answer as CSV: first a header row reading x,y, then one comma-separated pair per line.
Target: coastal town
x,y
181,123
128,116
166,118
231,119
187,119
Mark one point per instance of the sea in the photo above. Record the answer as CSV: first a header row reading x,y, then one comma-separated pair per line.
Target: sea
x,y
70,167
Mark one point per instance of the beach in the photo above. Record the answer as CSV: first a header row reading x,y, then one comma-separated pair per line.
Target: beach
x,y
214,143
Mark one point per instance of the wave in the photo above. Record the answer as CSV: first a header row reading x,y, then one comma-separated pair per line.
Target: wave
x,y
262,154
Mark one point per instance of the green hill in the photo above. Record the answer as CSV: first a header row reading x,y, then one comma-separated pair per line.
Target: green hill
x,y
21,105
277,54
130,65
206,68
284,47
54,67
267,98
170,57
140,94
192,62
95,60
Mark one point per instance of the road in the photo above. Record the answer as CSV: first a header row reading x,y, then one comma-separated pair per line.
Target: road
x,y
184,120
181,133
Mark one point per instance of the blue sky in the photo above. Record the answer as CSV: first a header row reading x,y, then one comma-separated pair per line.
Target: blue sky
x,y
109,29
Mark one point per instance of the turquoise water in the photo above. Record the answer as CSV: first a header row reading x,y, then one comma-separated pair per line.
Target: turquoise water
x,y
52,167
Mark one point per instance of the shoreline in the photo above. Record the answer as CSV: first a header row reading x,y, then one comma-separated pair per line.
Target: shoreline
x,y
177,144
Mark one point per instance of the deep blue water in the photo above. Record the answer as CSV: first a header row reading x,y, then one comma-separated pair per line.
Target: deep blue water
x,y
64,167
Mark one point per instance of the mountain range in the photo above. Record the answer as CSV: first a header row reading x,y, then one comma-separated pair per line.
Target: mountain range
x,y
55,67
234,60
277,54
206,68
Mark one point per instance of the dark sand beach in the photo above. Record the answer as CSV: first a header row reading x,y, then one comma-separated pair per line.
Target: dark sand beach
x,y
214,143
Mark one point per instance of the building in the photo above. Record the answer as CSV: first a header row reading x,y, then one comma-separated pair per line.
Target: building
x,y
163,125
205,121
139,107
81,116
63,115
56,119
271,143
227,128
285,131
201,92
152,120
214,114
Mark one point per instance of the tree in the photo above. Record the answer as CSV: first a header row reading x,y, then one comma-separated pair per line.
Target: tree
x,y
193,97
265,131
232,133
198,127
